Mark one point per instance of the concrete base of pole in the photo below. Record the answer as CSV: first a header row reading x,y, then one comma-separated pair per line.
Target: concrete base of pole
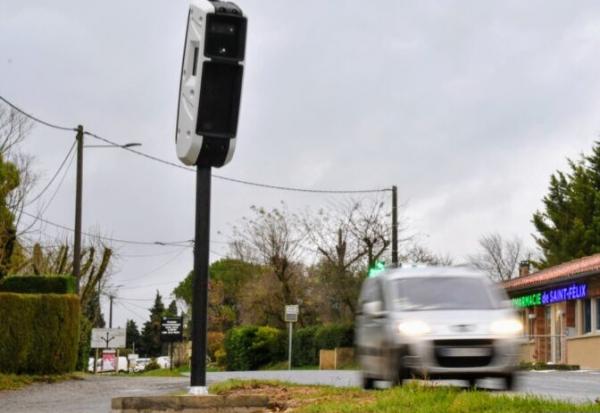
x,y
190,404
198,391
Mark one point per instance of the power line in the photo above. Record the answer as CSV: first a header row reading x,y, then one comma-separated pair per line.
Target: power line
x,y
239,181
62,179
175,165
122,241
149,285
132,299
135,313
160,267
36,119
54,176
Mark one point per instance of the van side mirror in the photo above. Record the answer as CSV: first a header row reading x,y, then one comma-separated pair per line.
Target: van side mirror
x,y
373,309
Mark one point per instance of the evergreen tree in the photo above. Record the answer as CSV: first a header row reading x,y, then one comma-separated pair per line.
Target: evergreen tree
x,y
133,336
151,331
92,311
172,309
569,225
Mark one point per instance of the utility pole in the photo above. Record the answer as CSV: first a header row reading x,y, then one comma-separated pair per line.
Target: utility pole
x,y
395,226
200,278
111,298
78,190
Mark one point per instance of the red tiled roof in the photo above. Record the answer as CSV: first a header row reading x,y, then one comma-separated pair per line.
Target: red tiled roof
x,y
558,272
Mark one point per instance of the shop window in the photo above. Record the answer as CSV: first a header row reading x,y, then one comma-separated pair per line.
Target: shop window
x,y
587,316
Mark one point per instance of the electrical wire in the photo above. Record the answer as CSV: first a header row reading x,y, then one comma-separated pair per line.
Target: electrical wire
x,y
175,165
160,267
132,287
62,179
36,119
122,241
132,299
54,176
131,311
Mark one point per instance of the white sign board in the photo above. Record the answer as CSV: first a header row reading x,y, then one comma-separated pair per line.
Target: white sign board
x,y
108,338
291,313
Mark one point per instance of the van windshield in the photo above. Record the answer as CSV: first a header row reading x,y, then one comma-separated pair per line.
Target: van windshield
x,y
444,293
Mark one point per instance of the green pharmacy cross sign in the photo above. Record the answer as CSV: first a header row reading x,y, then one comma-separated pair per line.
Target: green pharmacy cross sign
x,y
377,268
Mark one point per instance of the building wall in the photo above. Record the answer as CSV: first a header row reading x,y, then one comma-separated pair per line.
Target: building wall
x,y
584,351
527,350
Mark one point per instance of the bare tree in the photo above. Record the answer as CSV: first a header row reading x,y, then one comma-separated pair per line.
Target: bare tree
x,y
420,254
274,238
499,257
347,237
14,128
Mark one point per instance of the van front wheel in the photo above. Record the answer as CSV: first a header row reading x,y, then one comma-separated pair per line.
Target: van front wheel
x,y
368,383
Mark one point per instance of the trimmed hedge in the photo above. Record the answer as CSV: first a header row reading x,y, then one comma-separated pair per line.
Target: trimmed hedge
x,y
309,340
334,335
35,284
250,347
39,333
304,352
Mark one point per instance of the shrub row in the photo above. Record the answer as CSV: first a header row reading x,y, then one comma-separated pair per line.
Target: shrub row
x,y
35,284
39,333
309,340
250,347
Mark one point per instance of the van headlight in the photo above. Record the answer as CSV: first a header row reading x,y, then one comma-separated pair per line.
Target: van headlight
x,y
506,327
413,328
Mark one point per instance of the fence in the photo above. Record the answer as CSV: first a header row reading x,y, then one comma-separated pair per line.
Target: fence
x,y
545,348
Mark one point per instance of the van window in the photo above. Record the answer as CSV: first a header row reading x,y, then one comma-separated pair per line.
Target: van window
x,y
371,292
443,293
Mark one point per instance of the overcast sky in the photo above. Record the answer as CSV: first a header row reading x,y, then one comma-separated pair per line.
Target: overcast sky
x,y
466,106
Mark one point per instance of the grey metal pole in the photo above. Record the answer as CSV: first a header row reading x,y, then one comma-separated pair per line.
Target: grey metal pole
x,y
394,226
78,193
111,297
290,346
200,281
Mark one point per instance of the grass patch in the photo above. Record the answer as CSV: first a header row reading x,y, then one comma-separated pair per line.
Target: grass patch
x,y
283,365
413,397
545,366
17,381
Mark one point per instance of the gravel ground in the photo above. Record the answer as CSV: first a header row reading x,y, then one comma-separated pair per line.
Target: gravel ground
x,y
93,394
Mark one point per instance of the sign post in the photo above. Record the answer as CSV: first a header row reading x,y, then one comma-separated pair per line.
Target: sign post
x,y
108,338
291,316
171,330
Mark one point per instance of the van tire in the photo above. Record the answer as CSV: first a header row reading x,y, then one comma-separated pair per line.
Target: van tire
x,y
509,381
401,373
368,383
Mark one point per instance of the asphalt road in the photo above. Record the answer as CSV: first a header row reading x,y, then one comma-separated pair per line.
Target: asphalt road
x,y
93,394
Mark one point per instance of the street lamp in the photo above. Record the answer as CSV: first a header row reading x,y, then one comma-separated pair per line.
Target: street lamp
x,y
127,145
78,202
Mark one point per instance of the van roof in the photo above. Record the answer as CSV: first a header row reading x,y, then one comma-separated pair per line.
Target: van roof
x,y
433,271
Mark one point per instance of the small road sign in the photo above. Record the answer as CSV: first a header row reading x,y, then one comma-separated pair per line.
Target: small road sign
x,y
108,338
171,329
291,313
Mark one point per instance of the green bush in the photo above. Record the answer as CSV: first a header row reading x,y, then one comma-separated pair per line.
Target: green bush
x,y
334,335
39,333
36,284
85,338
269,346
152,365
305,352
250,347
